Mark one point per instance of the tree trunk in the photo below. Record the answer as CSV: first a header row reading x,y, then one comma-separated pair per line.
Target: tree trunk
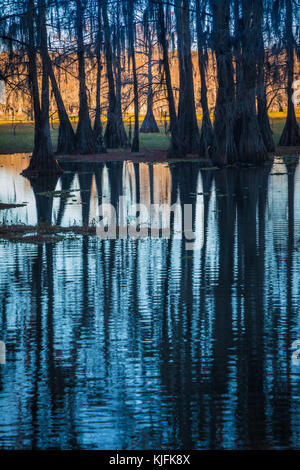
x,y
176,148
187,119
42,161
66,136
149,124
135,146
118,79
290,135
237,50
32,72
262,109
97,122
207,142
251,146
86,141
225,151
114,133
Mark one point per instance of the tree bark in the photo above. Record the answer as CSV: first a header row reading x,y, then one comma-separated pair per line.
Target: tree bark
x,y
149,124
225,150
66,136
86,141
290,135
42,161
187,119
237,50
262,108
135,146
207,142
32,72
118,77
251,145
118,80
97,122
176,148
114,133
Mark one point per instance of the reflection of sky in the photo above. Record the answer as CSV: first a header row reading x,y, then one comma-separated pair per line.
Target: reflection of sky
x,y
14,188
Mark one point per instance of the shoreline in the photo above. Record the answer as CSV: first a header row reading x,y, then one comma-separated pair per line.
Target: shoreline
x,y
159,156
147,155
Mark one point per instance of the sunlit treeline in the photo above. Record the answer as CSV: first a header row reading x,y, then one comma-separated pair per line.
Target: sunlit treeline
x,y
248,50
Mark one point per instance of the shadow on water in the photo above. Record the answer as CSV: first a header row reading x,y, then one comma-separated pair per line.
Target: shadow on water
x,y
129,344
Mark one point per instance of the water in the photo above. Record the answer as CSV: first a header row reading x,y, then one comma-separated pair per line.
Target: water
x,y
139,344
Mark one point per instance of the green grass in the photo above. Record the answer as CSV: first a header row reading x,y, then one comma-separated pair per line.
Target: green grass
x,y
277,125
19,139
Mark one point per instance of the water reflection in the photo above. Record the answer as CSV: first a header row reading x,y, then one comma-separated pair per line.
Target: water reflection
x,y
138,343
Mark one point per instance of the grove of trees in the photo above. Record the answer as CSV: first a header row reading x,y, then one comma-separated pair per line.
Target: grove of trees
x,y
249,40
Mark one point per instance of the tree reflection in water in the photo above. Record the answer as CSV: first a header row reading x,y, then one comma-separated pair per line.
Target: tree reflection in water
x,y
141,344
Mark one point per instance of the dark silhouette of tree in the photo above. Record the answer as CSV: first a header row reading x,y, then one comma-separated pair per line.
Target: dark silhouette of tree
x,y
290,135
225,150
262,108
128,7
66,137
187,119
98,51
207,143
87,141
114,135
251,146
176,148
149,124
42,160
103,41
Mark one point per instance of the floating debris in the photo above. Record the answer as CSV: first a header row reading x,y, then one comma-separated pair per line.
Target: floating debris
x,y
4,206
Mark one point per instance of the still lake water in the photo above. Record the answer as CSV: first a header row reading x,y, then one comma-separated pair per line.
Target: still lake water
x,y
139,344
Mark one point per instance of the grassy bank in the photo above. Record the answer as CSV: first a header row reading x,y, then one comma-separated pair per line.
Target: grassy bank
x,y
18,138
